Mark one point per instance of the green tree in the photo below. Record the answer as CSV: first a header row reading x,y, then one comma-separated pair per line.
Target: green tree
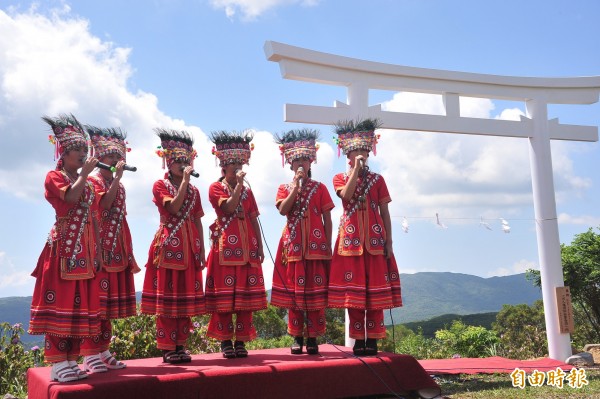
x,y
581,272
467,341
15,360
522,331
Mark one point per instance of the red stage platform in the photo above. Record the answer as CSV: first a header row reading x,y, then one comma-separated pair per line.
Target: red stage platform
x,y
272,373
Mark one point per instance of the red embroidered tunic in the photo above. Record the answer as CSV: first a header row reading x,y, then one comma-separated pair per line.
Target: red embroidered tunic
x,y
63,303
235,239
361,226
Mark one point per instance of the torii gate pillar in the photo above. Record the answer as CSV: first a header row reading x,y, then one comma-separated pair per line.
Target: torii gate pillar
x,y
359,76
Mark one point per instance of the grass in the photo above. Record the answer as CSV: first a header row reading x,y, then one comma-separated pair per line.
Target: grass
x,y
500,386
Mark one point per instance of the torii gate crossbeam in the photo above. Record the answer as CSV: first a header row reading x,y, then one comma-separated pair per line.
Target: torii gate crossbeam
x,y
360,76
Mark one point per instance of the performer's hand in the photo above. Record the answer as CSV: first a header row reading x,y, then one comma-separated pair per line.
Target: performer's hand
x,y
261,254
98,263
88,166
119,172
388,249
186,173
202,259
240,177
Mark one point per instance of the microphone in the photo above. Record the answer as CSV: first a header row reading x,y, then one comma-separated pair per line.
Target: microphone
x,y
362,163
300,182
194,173
113,169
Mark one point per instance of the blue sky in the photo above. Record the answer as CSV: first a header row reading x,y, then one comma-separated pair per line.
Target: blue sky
x,y
200,66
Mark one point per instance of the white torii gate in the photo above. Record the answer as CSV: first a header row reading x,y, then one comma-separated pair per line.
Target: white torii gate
x,y
360,76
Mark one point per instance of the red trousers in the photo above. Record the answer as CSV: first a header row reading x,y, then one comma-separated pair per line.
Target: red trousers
x,y
315,323
58,349
222,328
372,328
100,343
172,331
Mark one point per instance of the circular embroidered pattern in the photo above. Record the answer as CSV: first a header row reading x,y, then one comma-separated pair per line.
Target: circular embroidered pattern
x,y
350,229
252,279
229,280
295,322
118,257
160,333
227,253
155,282
318,280
374,242
296,247
356,242
238,252
323,247
348,276
50,297
210,282
317,233
230,326
175,242
232,239
82,263
104,284
239,327
301,281
106,335
219,326
370,324
313,245
376,228
173,336
197,285
198,243
321,321
77,300
347,242
358,325
96,339
253,254
179,255
63,345
48,345
169,254
78,248
393,276
261,280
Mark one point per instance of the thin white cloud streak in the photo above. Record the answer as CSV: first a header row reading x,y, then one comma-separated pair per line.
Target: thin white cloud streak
x,y
518,267
252,9
13,281
583,220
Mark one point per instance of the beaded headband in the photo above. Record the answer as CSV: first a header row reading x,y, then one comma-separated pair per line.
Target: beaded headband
x,y
67,134
357,135
176,146
107,141
298,144
232,147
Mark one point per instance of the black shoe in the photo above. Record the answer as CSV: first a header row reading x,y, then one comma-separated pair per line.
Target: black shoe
x,y
227,349
312,348
184,356
371,347
240,349
296,348
359,347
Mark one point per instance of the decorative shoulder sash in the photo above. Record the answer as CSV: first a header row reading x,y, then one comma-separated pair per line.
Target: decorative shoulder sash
x,y
70,228
219,226
112,220
363,186
174,222
299,209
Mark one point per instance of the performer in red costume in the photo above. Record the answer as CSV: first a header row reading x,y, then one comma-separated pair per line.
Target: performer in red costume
x,y
234,279
364,276
65,306
304,253
173,280
115,281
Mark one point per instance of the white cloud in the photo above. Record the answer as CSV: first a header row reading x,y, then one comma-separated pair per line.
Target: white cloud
x,y
462,175
585,220
251,9
13,281
518,267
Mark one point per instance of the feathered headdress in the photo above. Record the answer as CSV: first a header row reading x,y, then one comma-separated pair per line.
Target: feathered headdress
x,y
297,144
357,135
232,147
107,141
67,134
176,146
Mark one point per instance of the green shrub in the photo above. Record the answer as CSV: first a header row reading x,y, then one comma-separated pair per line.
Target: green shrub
x,y
467,341
15,360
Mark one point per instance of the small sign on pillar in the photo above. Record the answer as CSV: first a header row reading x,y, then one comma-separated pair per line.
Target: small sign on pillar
x,y
565,310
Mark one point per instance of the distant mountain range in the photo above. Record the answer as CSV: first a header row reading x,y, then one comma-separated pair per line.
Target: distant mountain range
x,y
425,296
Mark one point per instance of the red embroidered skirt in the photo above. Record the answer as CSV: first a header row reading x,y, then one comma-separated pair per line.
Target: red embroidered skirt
x,y
300,285
364,282
63,308
233,288
117,294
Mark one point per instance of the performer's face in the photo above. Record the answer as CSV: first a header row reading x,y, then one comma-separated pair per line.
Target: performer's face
x,y
75,157
231,168
111,159
302,162
355,153
177,167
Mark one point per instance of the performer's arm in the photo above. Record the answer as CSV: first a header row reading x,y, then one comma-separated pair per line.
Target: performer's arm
x,y
74,192
109,197
198,223
176,203
387,225
328,228
256,227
